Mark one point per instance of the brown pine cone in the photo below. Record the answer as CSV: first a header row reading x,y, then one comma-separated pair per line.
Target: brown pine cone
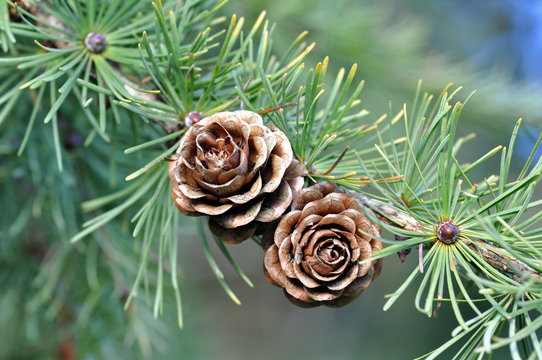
x,y
317,249
236,170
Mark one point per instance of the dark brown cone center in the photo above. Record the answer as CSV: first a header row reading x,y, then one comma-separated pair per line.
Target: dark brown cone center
x,y
219,153
329,256
331,252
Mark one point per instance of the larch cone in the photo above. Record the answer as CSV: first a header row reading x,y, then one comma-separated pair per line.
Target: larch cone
x,y
317,248
236,170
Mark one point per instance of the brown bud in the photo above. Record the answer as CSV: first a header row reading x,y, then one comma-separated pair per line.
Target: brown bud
x,y
191,118
318,248
448,232
237,171
95,42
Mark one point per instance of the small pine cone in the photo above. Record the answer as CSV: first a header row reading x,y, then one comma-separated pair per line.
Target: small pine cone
x,y
237,171
317,249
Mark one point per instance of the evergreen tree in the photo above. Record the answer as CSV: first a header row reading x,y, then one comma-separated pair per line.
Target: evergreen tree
x,y
111,107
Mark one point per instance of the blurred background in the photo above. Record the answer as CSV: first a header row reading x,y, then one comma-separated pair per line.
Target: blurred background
x,y
492,46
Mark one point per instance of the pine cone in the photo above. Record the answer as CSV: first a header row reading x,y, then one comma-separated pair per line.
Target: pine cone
x,y
317,249
236,170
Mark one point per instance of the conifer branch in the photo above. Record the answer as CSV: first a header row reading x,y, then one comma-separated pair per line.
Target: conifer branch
x,y
495,258
129,85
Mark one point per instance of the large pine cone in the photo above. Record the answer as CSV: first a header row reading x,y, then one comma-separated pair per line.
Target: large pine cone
x,y
318,246
236,170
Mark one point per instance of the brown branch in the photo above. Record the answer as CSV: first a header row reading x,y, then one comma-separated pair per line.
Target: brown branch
x,y
390,215
500,261
496,258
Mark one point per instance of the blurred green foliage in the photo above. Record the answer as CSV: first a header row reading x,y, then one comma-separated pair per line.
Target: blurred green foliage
x,y
394,44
